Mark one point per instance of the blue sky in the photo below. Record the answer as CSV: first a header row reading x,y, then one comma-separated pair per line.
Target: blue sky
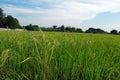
x,y
104,14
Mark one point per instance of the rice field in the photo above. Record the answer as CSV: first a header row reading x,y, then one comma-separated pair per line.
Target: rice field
x,y
59,56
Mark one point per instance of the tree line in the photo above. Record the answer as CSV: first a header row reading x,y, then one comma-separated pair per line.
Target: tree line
x,y
8,21
62,28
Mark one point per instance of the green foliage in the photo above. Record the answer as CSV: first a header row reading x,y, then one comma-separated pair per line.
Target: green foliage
x,y
58,56
93,30
1,17
62,28
71,29
8,21
54,27
1,14
79,30
114,32
11,22
31,27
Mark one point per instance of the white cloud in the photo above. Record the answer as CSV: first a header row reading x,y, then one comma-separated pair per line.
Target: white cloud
x,y
16,10
68,12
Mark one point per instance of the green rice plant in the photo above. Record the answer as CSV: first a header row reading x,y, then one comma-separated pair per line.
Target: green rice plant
x,y
41,55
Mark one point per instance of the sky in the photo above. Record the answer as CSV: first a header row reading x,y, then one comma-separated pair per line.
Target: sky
x,y
104,14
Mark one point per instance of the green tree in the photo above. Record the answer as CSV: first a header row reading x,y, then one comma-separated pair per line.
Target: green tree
x,y
62,28
79,30
114,32
4,23
93,30
73,29
1,17
11,22
1,14
31,27
54,28
36,28
119,32
68,29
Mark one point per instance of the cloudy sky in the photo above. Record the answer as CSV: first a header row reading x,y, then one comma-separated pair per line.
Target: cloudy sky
x,y
104,14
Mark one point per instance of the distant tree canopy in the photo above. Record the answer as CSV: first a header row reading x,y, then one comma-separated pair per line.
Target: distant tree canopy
x,y
1,16
62,28
11,22
31,27
70,29
114,32
93,30
79,30
8,21
1,13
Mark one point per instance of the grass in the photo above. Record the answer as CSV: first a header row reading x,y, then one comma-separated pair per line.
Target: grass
x,y
59,56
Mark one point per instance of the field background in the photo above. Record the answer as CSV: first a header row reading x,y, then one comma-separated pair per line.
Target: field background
x,y
26,55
